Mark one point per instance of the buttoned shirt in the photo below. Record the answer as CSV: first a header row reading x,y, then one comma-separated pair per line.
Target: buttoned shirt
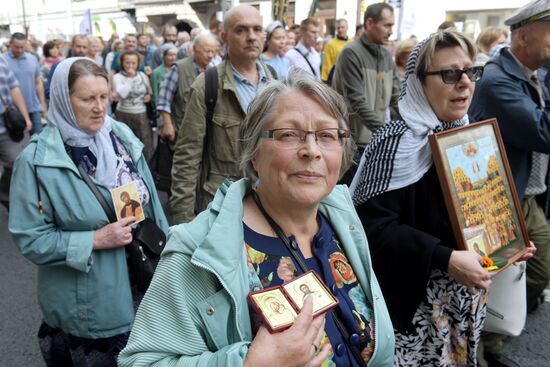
x,y
536,184
169,87
297,57
26,69
7,83
245,89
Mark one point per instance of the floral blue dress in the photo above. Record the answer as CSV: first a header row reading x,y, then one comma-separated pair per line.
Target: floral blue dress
x,y
271,264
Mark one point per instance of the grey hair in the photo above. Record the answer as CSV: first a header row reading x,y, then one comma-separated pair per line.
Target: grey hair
x,y
201,38
262,111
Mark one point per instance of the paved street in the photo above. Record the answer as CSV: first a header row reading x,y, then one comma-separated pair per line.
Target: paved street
x,y
20,316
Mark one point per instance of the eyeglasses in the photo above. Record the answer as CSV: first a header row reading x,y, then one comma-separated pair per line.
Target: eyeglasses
x,y
288,138
452,76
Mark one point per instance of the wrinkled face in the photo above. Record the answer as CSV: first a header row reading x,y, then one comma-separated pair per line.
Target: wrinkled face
x,y
89,99
130,43
303,176
449,102
277,41
130,64
18,47
93,48
204,53
309,35
79,47
380,32
170,35
170,57
341,29
245,37
537,44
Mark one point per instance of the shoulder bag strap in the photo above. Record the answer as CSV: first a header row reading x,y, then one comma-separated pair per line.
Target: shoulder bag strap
x,y
293,249
102,201
305,57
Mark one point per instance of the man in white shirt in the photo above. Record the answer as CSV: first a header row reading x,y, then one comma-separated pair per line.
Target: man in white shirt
x,y
304,55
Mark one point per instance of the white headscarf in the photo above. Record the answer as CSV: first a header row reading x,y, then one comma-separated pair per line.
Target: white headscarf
x,y
62,115
399,154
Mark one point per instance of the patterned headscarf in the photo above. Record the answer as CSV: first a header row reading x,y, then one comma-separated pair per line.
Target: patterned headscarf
x,y
62,115
399,153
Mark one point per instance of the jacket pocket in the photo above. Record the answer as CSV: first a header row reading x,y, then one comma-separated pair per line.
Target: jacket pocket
x,y
215,312
225,138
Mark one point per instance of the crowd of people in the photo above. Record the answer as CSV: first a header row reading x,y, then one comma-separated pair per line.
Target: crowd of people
x,y
255,201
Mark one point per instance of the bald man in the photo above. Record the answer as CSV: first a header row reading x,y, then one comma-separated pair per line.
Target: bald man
x,y
240,77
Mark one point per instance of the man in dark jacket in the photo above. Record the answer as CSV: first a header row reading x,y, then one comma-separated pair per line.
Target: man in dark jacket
x,y
510,92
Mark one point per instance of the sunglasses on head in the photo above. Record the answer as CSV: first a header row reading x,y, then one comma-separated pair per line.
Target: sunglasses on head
x,y
452,76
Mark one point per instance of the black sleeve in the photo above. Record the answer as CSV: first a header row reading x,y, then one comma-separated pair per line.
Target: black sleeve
x,y
403,255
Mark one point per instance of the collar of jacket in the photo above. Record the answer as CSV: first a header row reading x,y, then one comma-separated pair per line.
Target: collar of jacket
x,y
214,239
373,48
508,64
50,150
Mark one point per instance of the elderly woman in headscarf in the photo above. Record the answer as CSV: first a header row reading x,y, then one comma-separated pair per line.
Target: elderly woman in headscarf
x,y
84,290
434,292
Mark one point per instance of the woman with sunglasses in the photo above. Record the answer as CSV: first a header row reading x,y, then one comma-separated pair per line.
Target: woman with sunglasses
x,y
433,291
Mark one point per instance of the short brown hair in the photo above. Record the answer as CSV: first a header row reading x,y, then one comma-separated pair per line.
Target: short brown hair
x,y
374,11
309,21
489,36
82,68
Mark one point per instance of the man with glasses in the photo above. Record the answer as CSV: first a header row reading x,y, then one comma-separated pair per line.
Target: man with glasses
x,y
510,91
366,76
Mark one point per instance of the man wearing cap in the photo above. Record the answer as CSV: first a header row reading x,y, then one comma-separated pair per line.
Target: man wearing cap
x,y
510,92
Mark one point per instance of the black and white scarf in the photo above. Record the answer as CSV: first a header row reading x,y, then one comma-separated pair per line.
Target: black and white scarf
x,y
399,153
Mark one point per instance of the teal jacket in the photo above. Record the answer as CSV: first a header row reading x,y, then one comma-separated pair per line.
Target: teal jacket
x,y
195,312
84,292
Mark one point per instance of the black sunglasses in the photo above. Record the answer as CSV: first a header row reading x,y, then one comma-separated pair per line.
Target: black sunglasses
x,y
452,76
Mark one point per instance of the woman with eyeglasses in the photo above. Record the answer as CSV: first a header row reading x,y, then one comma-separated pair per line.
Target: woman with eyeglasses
x,y
257,233
433,291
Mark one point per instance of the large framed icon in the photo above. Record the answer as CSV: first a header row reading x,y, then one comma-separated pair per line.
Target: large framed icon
x,y
479,192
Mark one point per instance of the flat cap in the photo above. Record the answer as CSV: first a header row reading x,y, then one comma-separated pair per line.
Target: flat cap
x,y
532,12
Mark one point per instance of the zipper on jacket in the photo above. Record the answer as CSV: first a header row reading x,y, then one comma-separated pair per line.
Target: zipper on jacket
x,y
224,285
376,324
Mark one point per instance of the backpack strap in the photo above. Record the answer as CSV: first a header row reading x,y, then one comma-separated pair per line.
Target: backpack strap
x,y
272,71
210,100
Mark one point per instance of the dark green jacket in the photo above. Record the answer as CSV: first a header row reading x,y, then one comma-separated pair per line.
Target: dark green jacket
x,y
191,191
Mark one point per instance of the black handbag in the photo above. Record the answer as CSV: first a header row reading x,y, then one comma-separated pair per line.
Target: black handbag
x,y
161,165
14,121
152,113
143,254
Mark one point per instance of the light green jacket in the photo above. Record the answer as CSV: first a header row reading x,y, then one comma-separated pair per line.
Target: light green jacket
x,y
84,292
195,312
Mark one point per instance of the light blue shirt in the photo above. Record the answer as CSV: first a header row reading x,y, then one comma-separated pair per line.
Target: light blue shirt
x,y
26,69
280,64
246,91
